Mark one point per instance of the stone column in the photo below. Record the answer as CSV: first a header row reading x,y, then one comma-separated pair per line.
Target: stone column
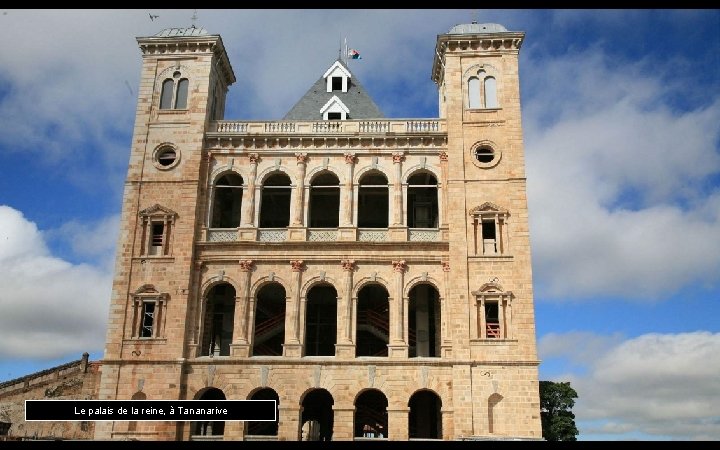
x,y
241,342
299,189
398,347
247,220
398,424
445,313
345,348
397,189
292,346
289,424
444,175
508,317
343,425
481,319
347,230
397,229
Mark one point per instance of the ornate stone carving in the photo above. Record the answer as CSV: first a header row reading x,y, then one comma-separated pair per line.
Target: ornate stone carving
x,y
446,266
399,266
301,158
253,157
297,265
348,264
443,156
246,265
349,158
398,157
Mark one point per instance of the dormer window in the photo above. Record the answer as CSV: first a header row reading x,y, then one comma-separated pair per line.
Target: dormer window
x,y
335,109
337,83
337,77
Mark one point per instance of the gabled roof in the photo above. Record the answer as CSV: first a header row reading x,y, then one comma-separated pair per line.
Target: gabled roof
x,y
337,101
358,102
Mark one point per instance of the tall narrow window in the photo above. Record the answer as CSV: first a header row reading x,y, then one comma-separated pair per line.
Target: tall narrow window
x,y
275,202
182,94
373,321
321,321
473,93
167,94
157,237
490,229
269,333
424,321
227,202
157,222
494,312
422,201
491,100
373,201
148,312
325,201
218,320
174,93
148,319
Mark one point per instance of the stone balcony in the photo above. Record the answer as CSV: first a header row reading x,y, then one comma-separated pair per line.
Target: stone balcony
x,y
352,234
349,127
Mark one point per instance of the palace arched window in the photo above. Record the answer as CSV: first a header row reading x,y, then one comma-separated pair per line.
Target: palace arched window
x,y
324,201
227,201
174,94
275,202
373,201
422,208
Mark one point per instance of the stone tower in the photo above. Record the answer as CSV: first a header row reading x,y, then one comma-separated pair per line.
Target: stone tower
x,y
371,275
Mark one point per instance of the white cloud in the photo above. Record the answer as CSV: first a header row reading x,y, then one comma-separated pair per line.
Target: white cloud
x,y
662,385
49,306
92,241
617,183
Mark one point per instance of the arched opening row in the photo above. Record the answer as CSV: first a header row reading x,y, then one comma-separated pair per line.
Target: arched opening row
x,y
373,202
370,420
371,321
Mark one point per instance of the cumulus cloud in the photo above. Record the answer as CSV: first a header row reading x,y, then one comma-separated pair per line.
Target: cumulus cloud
x,y
50,307
661,385
618,183
92,241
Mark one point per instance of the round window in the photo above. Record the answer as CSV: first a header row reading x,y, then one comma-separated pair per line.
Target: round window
x,y
485,155
166,157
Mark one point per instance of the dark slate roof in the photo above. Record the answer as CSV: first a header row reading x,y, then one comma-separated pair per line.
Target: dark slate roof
x,y
359,103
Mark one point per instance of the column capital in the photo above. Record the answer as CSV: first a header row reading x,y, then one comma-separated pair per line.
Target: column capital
x,y
246,265
348,265
445,266
301,158
443,156
399,266
297,265
349,158
398,157
253,158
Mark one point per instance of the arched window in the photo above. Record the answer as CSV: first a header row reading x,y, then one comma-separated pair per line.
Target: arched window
x,y
218,320
422,201
321,321
371,417
317,416
491,100
269,321
211,428
227,201
473,93
275,202
174,92
424,321
264,428
373,201
373,320
424,419
325,201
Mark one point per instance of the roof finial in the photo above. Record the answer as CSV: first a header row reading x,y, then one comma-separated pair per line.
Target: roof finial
x,y
194,17
475,16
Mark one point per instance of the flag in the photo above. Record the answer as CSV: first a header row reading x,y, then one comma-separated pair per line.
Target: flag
x,y
354,54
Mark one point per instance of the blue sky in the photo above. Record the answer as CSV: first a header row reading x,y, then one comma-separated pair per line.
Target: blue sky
x,y
621,116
